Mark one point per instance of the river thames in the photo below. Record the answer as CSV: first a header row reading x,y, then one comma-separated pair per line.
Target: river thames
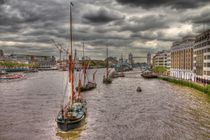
x,y
162,111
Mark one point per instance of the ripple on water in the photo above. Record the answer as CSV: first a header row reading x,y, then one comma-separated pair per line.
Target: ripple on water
x,y
161,111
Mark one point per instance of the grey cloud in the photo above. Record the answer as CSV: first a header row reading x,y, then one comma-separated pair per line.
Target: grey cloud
x,y
150,22
32,23
176,4
202,18
152,35
101,16
2,2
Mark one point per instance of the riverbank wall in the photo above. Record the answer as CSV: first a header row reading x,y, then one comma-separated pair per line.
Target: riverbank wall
x,y
200,87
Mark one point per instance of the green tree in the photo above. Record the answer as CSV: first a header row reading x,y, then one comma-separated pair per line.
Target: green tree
x,y
159,69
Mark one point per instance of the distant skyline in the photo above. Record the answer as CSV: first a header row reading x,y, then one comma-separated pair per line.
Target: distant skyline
x,y
135,26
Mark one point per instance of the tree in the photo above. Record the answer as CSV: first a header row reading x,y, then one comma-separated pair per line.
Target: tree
x,y
159,69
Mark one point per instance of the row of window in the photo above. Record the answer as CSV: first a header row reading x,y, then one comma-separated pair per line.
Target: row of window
x,y
206,36
202,44
202,51
207,73
206,64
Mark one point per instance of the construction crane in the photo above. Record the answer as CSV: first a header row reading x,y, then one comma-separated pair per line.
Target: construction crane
x,y
59,47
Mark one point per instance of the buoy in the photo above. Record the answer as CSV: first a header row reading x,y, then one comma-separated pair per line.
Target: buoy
x,y
138,89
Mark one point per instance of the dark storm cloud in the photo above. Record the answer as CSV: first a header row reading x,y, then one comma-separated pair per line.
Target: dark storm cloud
x,y
2,2
177,4
101,16
29,25
202,18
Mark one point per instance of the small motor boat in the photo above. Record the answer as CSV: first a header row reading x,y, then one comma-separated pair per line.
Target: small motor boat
x,y
11,76
138,89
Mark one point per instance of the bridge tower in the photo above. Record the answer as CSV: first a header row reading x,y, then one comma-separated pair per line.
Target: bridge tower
x,y
130,59
149,58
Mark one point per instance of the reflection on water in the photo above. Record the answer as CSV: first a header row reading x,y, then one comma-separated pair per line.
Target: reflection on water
x,y
73,134
162,111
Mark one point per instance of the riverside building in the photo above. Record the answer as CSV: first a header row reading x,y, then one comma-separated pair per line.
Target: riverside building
x,y
161,58
182,59
202,57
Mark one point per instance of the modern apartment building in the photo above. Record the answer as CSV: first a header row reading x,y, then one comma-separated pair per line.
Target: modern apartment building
x,y
162,58
168,60
182,59
202,57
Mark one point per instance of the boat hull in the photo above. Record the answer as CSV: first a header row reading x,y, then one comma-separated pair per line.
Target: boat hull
x,y
87,87
78,113
149,76
69,125
107,81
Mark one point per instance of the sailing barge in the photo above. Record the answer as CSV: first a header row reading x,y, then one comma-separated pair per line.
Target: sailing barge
x,y
74,112
90,84
106,78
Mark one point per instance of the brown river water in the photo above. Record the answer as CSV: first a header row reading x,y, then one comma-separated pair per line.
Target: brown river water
x,y
162,111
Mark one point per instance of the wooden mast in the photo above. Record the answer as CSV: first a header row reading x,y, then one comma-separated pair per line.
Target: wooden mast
x,y
83,50
84,64
71,64
79,86
107,63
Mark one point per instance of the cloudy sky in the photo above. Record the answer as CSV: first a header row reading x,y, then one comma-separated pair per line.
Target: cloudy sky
x,y
137,26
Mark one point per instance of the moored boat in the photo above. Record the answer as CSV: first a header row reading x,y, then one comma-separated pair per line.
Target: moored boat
x,y
106,78
74,112
86,86
11,76
149,75
73,116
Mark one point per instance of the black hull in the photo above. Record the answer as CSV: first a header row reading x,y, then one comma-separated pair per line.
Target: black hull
x,y
107,81
67,126
149,76
87,88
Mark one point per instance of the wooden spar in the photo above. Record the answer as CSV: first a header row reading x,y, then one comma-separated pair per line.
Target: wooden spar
x,y
107,63
84,65
71,35
79,86
83,51
72,83
71,67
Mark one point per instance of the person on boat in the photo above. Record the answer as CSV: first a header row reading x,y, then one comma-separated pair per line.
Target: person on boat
x,y
62,111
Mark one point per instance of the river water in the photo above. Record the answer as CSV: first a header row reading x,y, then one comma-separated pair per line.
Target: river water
x,y
162,111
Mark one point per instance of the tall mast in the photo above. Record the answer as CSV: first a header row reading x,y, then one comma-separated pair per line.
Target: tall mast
x,y
84,63
107,63
83,50
71,68
71,36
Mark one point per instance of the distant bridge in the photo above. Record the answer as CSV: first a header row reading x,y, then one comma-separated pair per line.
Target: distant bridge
x,y
139,57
